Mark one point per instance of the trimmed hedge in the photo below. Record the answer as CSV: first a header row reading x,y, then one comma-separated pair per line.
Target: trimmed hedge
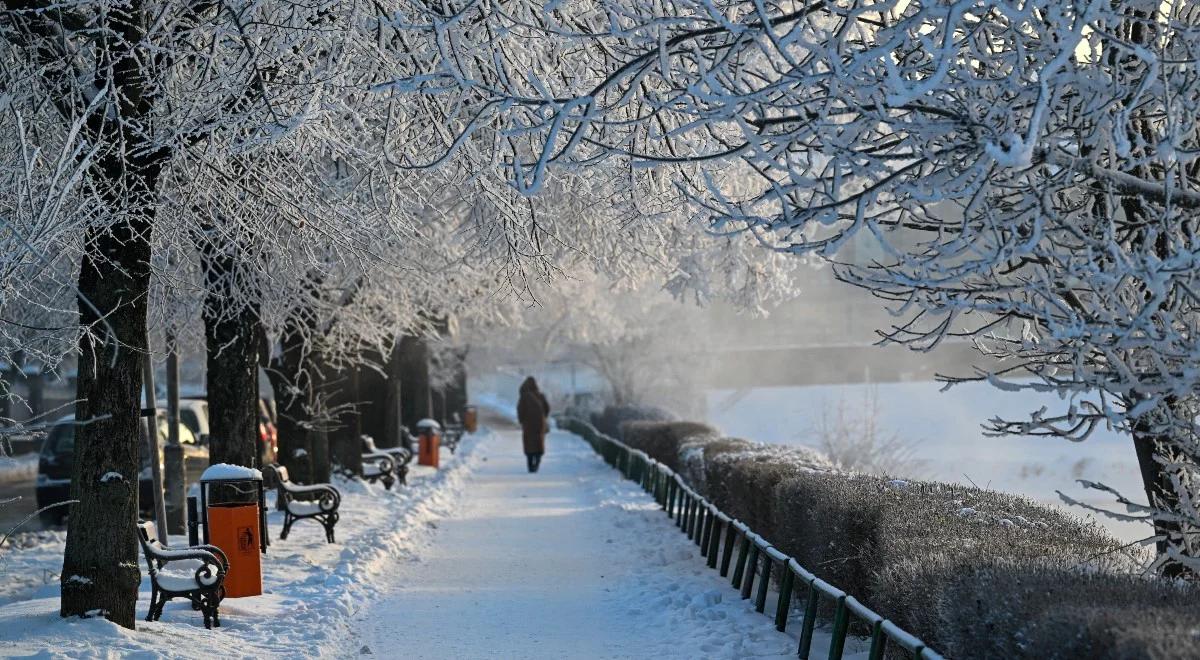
x,y
609,421
974,573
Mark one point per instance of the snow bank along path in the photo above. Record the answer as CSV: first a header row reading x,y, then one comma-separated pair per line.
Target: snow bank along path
x,y
571,562
310,589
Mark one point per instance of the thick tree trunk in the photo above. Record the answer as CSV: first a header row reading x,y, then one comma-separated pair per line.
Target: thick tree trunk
x,y
345,448
318,440
292,377
100,563
416,401
373,394
1152,440
232,390
292,418
295,451
232,341
391,434
437,402
456,392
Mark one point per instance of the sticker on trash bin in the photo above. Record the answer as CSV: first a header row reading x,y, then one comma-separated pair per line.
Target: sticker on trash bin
x,y
245,540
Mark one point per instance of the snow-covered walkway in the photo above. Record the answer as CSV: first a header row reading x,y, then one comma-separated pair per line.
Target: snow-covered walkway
x,y
571,562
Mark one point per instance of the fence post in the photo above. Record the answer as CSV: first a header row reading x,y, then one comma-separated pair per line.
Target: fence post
x,y
727,555
751,568
714,541
810,622
837,640
878,641
785,598
740,569
764,583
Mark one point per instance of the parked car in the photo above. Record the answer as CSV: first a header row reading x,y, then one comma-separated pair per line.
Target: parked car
x,y
194,415
58,457
195,409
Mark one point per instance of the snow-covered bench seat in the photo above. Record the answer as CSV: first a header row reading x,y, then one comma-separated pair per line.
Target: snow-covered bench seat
x,y
318,502
452,434
195,572
379,466
401,456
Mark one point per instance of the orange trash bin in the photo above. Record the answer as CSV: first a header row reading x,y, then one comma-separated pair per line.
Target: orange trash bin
x,y
428,450
234,528
429,442
471,419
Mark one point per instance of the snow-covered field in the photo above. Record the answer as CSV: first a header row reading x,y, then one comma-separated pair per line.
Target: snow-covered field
x,y
311,589
945,430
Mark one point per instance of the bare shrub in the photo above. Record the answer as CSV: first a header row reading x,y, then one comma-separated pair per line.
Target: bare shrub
x,y
854,440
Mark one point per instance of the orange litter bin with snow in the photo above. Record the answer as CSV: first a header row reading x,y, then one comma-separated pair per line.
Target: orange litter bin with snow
x,y
471,419
427,453
429,442
234,528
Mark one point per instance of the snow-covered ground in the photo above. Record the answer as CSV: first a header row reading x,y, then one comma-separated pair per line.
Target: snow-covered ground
x,y
945,430
311,589
480,559
571,562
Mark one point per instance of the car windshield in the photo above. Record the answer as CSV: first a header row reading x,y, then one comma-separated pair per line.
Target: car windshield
x,y
61,440
189,419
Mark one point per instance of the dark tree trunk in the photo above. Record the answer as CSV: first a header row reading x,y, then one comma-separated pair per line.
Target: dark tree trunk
x,y
1150,441
455,392
345,447
293,375
373,395
318,440
231,335
100,562
437,400
295,447
416,401
392,414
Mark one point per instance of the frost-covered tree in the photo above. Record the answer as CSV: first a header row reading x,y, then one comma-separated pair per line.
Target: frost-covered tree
x,y
124,88
1022,173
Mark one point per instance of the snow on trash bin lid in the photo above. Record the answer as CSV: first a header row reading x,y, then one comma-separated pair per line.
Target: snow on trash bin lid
x,y
428,424
224,471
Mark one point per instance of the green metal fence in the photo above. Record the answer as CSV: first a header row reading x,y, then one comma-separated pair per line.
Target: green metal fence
x,y
730,547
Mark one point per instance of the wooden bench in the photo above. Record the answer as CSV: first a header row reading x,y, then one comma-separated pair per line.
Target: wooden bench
x,y
378,466
452,433
318,502
196,573
401,456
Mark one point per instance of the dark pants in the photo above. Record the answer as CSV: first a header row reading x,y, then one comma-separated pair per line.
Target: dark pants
x,y
533,461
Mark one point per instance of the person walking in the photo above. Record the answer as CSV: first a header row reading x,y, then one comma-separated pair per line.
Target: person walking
x,y
532,412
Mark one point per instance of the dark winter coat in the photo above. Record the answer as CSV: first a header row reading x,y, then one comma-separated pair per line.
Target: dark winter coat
x,y
532,411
